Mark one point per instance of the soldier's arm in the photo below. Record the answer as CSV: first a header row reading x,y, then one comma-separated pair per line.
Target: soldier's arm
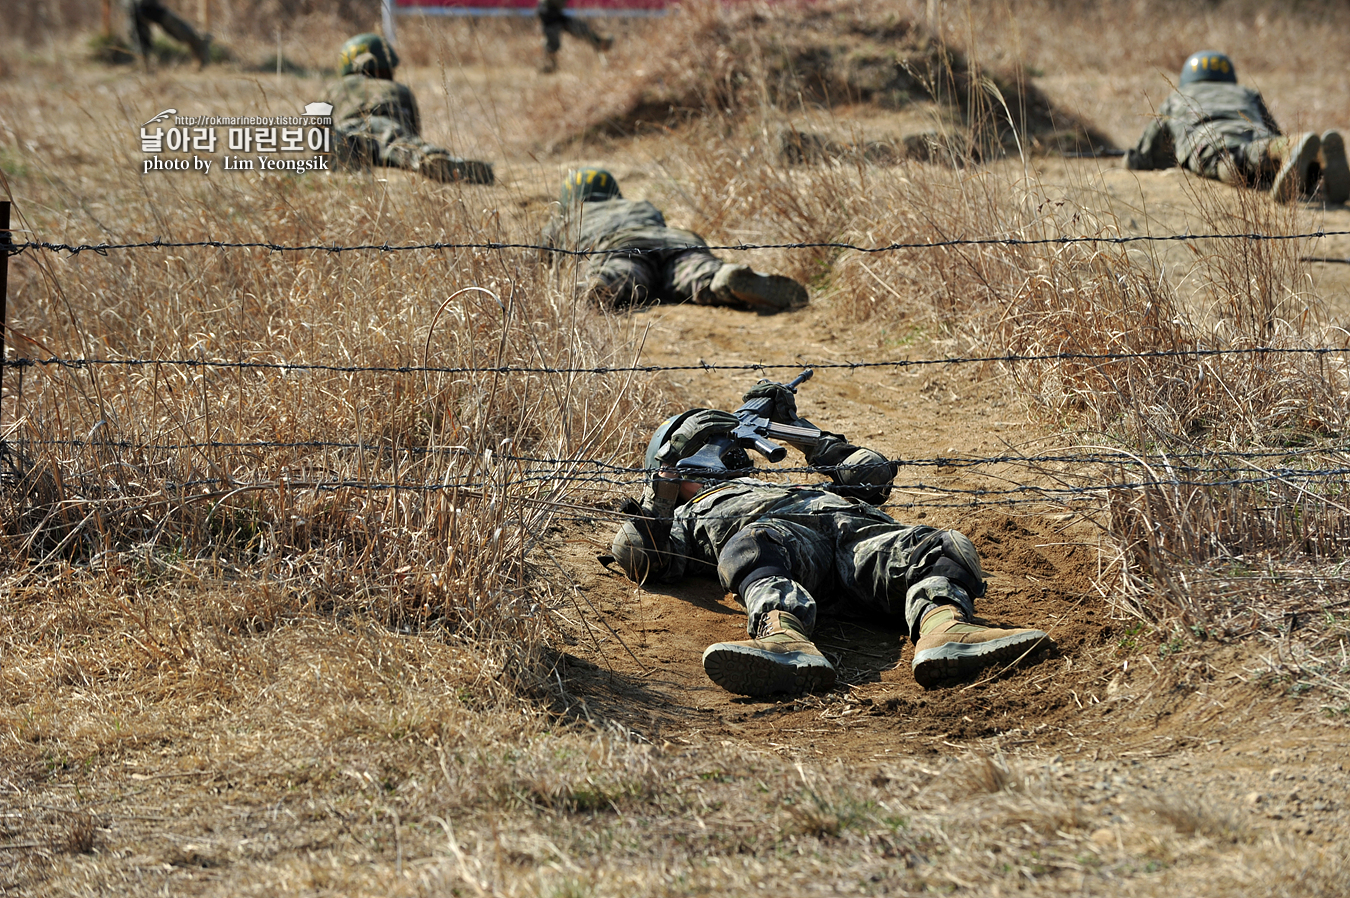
x,y
857,472
1266,118
414,114
1155,149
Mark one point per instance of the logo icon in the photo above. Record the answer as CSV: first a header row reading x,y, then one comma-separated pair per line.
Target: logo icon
x,y
319,109
161,117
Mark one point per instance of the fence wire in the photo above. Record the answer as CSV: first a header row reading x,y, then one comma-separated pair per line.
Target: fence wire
x,y
583,474
1063,240
1006,358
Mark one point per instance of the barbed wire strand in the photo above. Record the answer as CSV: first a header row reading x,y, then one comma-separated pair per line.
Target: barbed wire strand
x,y
1063,240
1010,358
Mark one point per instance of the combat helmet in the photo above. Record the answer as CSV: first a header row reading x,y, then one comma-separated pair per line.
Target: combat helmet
x,y
368,54
1208,65
587,184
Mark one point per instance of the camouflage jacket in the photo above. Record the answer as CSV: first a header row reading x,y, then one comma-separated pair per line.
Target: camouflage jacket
x,y
705,524
358,97
1197,114
617,224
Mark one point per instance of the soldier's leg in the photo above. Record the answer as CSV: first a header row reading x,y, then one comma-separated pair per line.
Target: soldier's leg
x,y
178,29
141,13
934,576
619,280
696,275
580,28
772,567
1335,170
438,165
551,23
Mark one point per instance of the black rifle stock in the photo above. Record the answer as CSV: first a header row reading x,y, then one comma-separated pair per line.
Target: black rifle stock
x,y
754,432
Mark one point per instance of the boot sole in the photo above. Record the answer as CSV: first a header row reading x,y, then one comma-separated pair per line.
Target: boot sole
x,y
1289,182
1336,171
957,660
750,671
767,292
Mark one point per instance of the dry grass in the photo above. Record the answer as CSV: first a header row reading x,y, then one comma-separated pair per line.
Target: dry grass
x,y
224,671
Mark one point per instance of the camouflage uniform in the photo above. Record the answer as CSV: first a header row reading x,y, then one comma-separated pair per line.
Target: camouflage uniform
x,y
673,265
554,20
791,548
376,122
1205,122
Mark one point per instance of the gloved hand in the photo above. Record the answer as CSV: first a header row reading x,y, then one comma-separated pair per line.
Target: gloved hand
x,y
693,432
782,401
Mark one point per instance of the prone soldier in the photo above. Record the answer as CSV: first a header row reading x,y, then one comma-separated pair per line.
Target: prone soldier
x,y
638,260
789,552
376,121
1220,130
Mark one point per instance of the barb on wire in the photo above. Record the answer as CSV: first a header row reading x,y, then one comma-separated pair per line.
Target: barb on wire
x,y
1008,358
104,248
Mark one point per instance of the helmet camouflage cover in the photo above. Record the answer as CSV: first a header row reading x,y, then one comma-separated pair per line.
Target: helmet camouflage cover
x,y
587,184
368,54
1208,65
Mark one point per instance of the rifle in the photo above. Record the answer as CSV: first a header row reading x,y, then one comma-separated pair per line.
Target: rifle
x,y
754,432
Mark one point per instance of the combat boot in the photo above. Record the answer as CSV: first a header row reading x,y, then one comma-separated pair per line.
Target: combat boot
x,y
1335,171
951,646
781,659
1297,157
742,285
444,168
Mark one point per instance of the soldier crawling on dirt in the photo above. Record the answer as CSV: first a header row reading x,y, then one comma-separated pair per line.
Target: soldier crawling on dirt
x,y
1219,130
376,122
639,261
144,12
788,552
554,20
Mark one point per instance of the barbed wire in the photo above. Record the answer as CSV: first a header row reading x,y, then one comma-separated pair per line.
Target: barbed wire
x,y
552,479
1180,459
1009,358
1063,240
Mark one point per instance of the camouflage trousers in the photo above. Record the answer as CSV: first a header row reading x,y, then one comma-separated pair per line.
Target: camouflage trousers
x,y
860,565
634,277
379,141
1241,157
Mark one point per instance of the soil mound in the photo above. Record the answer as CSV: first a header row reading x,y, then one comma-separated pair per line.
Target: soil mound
x,y
740,59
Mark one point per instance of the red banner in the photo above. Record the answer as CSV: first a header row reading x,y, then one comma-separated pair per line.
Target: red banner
x,y
526,7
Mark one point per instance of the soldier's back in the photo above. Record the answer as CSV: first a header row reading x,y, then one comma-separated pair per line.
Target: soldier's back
x,y
357,97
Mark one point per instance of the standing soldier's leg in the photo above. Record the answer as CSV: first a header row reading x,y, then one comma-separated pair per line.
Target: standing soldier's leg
x,y
178,29
772,567
580,28
139,18
551,22
932,577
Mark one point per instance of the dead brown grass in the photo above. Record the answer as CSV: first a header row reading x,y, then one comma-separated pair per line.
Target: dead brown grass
x,y
220,675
